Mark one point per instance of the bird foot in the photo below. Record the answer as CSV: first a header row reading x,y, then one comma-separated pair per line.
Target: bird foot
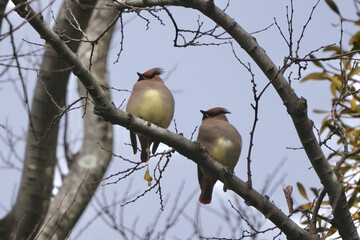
x,y
104,111
228,173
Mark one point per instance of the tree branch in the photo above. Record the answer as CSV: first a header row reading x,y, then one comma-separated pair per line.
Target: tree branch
x,y
3,4
36,184
194,151
89,166
296,107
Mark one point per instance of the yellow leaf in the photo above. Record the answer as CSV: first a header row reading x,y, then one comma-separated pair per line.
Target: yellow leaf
x,y
353,104
306,206
355,39
320,111
352,200
331,231
336,81
147,176
331,48
316,62
355,71
333,89
316,76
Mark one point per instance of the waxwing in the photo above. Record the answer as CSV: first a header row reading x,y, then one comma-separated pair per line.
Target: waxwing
x,y
150,100
222,141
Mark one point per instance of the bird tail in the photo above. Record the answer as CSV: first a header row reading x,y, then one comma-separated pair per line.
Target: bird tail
x,y
145,156
145,148
206,194
207,185
133,141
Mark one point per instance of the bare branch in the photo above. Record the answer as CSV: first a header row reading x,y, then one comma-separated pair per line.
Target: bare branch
x,y
296,107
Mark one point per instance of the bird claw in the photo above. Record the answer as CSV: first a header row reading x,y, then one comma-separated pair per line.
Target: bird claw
x,y
228,172
98,109
101,110
225,188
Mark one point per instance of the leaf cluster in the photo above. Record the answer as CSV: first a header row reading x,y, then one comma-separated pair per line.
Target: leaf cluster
x,y
340,128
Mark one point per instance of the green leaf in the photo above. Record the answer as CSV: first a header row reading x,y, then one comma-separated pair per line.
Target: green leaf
x,y
302,190
333,6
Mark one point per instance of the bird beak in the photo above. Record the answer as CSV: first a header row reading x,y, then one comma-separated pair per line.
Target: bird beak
x,y
141,77
204,114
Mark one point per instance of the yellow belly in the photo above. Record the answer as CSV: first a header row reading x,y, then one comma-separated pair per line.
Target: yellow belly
x,y
223,151
153,109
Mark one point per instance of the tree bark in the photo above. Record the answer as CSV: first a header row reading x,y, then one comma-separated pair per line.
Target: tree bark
x,y
194,151
89,166
3,4
36,184
296,107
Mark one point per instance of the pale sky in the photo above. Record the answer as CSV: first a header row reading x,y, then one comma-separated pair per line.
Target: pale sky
x,y
201,78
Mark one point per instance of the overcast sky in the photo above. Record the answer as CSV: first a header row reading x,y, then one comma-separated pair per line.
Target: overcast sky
x,y
200,78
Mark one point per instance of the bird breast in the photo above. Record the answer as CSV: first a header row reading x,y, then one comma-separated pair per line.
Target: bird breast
x,y
155,108
222,141
223,151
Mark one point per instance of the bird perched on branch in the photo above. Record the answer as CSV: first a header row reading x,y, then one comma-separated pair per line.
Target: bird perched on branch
x,y
150,100
222,141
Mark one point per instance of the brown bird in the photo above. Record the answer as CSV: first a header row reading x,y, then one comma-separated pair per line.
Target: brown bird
x,y
222,141
150,100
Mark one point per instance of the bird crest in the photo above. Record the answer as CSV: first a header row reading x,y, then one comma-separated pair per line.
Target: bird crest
x,y
149,74
214,112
